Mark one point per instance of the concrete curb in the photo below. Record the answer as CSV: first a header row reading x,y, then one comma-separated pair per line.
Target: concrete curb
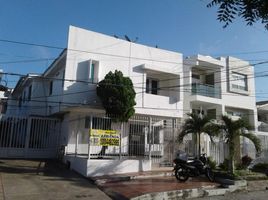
x,y
228,186
197,192
127,178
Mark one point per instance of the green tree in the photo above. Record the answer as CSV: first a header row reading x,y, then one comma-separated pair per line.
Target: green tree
x,y
232,130
197,124
251,11
117,95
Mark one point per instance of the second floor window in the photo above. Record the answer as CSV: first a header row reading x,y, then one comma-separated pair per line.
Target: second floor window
x,y
50,87
239,81
152,86
30,93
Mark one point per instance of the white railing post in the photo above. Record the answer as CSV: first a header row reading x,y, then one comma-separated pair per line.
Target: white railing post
x,y
150,139
90,128
11,131
120,141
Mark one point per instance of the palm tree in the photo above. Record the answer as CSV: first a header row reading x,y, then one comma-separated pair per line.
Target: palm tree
x,y
197,124
232,130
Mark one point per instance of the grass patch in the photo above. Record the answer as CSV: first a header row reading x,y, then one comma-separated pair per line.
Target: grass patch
x,y
240,175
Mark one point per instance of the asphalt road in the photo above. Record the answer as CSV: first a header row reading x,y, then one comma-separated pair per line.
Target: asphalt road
x,y
254,195
32,180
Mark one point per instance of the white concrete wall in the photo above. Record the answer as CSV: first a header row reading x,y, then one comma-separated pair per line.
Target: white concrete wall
x,y
109,167
115,54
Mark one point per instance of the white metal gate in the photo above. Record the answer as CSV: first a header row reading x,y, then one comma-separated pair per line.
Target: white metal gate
x,y
30,137
142,137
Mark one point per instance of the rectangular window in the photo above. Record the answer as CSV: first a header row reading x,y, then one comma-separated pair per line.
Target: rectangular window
x,y
92,71
50,87
24,96
63,76
29,93
154,86
196,76
239,81
20,101
151,86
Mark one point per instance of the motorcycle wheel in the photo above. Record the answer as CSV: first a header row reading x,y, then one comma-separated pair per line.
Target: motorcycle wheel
x,y
210,174
181,174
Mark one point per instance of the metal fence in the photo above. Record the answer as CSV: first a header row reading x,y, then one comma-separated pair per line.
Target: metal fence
x,y
98,136
31,137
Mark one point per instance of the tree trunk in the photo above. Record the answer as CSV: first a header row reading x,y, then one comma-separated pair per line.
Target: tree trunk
x,y
199,145
231,157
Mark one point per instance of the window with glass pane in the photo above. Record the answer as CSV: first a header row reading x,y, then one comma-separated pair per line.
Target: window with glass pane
x,y
239,81
151,86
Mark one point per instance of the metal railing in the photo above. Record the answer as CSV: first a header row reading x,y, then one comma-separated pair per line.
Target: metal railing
x,y
206,90
97,136
31,137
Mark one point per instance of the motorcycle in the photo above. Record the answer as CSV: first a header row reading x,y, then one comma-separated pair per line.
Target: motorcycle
x,y
185,168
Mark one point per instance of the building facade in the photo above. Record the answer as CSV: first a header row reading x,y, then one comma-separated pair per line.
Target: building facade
x,y
167,88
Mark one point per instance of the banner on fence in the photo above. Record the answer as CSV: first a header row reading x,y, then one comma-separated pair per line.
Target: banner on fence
x,y
100,137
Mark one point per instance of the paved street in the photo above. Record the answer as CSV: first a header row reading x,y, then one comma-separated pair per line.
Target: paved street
x,y
255,195
32,180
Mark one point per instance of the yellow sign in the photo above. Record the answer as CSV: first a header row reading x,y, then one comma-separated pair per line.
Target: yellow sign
x,y
104,137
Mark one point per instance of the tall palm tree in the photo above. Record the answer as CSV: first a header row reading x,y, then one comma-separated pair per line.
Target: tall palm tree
x,y
232,130
197,124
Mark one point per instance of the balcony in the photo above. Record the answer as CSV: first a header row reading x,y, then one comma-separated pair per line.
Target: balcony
x,y
206,90
158,101
262,126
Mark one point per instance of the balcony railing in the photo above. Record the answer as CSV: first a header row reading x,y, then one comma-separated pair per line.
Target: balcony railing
x,y
262,127
206,90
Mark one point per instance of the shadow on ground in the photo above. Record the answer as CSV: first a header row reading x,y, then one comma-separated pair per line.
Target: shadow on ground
x,y
50,170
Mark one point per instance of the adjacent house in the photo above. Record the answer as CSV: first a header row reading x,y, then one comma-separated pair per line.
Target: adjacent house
x,y
167,87
3,98
216,87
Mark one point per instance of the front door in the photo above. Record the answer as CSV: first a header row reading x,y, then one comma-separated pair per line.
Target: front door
x,y
136,140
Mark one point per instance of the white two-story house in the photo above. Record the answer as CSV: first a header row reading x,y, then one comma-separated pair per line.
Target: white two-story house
x,y
216,87
67,90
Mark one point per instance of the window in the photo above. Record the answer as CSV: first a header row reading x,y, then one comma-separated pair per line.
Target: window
x,y
20,101
152,86
91,72
29,93
24,96
196,76
50,87
63,76
239,81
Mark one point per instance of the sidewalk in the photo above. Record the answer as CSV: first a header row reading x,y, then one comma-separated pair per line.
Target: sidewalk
x,y
162,184
44,180
151,185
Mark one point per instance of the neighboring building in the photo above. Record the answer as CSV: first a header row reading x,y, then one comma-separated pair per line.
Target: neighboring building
x,y
216,87
166,89
262,109
3,98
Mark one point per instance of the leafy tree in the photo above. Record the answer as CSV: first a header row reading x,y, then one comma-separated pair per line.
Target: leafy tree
x,y
250,10
117,96
232,130
197,124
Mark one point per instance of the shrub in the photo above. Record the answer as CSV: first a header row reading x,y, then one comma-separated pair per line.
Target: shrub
x,y
246,160
224,165
211,163
260,167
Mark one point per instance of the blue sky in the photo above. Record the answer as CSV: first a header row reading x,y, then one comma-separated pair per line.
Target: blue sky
x,y
185,26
